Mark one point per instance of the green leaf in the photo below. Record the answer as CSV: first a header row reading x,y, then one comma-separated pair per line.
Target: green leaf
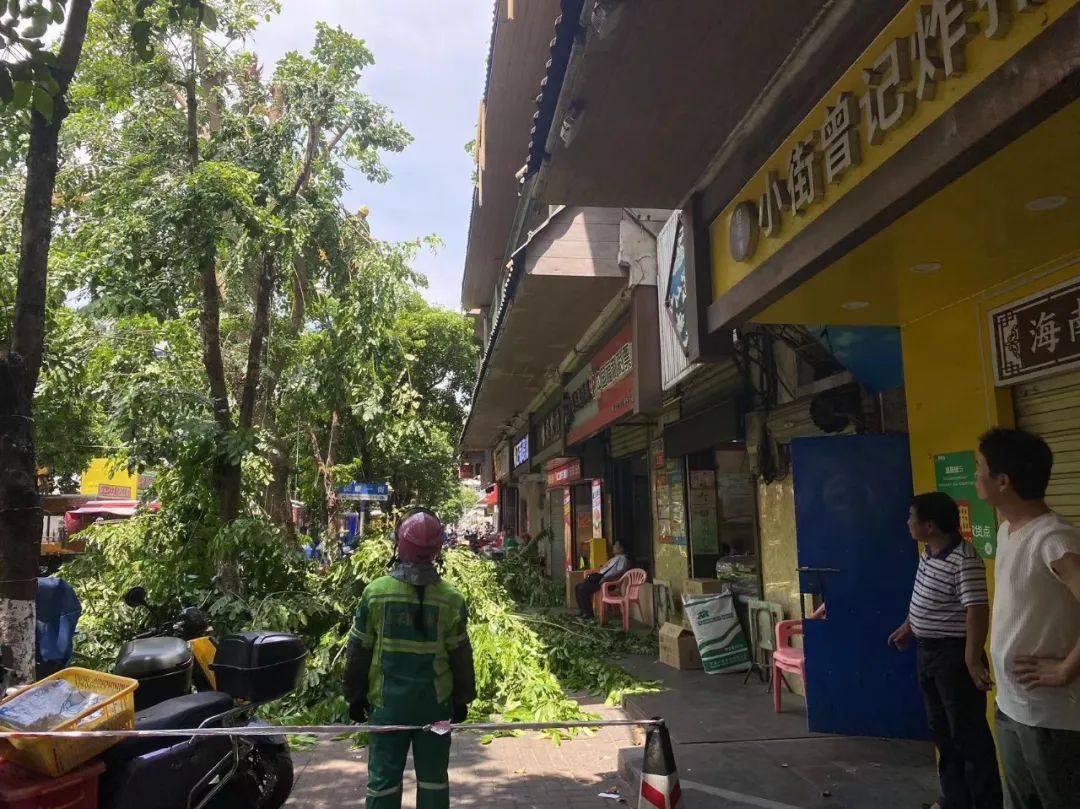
x,y
20,95
43,103
209,17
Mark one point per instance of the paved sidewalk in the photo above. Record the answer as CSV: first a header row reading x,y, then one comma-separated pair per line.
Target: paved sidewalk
x,y
732,750
525,772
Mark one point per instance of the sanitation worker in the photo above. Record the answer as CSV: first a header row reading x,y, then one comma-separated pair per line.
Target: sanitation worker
x,y
410,663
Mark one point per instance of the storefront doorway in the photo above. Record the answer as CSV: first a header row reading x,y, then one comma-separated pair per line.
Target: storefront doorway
x,y
631,514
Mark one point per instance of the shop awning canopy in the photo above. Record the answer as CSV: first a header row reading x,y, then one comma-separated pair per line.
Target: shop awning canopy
x,y
114,508
569,271
718,65
519,49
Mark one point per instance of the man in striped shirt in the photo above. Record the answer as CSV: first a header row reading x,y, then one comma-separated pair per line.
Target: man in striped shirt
x,y
949,617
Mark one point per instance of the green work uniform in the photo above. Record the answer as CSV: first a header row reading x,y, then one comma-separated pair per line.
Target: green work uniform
x,y
409,670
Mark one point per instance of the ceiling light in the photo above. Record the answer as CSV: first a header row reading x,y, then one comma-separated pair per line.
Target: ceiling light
x,y
926,267
853,306
1046,203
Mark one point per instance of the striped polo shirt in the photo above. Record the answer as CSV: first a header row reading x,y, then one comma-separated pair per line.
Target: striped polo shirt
x,y
946,584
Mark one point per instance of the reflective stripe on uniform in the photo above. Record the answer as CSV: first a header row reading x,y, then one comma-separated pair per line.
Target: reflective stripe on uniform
x,y
432,787
419,647
381,793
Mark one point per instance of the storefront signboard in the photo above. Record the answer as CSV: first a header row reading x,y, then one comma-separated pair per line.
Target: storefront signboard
x,y
112,492
548,429
597,510
603,390
521,451
1037,335
565,474
954,474
501,461
568,527
926,59
671,293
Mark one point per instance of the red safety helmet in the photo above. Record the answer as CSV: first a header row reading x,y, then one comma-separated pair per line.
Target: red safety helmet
x,y
419,536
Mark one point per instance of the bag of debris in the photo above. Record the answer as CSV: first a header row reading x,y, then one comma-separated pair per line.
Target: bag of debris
x,y
718,632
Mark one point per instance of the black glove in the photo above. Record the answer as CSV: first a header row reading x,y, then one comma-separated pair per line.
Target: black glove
x,y
460,714
358,711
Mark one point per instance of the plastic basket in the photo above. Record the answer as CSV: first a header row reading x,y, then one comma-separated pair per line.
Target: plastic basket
x,y
55,757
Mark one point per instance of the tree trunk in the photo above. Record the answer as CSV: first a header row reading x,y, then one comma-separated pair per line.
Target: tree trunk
x,y
277,500
20,505
326,470
260,327
278,504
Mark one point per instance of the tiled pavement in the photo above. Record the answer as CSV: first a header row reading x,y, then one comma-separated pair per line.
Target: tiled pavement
x,y
525,772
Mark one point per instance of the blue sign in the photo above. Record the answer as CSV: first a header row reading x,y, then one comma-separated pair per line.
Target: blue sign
x,y
364,491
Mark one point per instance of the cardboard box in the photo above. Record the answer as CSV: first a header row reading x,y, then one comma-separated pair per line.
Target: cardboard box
x,y
678,648
573,579
703,587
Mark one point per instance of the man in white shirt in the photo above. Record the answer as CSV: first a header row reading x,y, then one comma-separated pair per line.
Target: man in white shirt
x,y
1035,634
616,566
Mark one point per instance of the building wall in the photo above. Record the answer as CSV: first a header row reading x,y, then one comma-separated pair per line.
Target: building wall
x,y
951,397
101,471
779,556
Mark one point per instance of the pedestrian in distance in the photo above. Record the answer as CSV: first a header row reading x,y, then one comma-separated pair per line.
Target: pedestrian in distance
x,y
948,617
410,663
615,567
1035,642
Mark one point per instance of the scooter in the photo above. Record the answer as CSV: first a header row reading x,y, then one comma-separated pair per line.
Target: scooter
x,y
239,673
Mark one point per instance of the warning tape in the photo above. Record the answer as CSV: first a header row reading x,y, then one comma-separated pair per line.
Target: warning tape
x,y
440,728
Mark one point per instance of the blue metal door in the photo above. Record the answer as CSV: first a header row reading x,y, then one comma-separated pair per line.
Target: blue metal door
x,y
852,495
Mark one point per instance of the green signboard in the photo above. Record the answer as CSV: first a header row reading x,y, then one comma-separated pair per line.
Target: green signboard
x,y
955,475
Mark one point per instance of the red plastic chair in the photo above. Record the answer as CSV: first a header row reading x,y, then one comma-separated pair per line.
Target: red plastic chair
x,y
621,593
787,657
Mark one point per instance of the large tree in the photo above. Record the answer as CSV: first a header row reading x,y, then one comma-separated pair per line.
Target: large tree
x,y
223,201
40,77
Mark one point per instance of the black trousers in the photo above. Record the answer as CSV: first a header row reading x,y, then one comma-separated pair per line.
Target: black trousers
x,y
956,710
584,592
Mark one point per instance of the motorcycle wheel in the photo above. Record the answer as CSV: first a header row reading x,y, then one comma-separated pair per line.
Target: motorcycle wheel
x,y
282,764
264,783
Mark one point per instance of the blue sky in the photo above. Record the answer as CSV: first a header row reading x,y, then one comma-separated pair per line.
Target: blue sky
x,y
429,69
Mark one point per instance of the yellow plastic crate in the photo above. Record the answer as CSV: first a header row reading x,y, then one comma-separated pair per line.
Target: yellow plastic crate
x,y
54,756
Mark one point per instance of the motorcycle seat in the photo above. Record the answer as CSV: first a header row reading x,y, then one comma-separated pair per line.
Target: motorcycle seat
x,y
179,713
188,711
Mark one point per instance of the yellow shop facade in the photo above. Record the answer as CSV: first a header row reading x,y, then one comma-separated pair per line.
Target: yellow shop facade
x,y
934,190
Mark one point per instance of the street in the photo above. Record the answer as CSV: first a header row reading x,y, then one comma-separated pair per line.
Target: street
x,y
526,772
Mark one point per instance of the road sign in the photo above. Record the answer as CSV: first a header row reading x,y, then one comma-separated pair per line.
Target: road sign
x,y
365,492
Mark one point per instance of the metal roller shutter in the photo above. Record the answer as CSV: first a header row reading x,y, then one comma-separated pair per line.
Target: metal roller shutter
x,y
1051,408
629,439
709,386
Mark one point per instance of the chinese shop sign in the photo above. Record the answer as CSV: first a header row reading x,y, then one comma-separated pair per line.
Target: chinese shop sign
x,y
954,473
928,57
1037,335
603,390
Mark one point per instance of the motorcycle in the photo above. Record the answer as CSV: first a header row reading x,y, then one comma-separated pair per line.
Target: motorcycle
x,y
232,679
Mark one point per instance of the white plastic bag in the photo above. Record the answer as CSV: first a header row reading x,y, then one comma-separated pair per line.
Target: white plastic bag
x,y
718,632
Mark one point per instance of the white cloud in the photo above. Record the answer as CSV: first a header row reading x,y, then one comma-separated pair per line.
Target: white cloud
x,y
429,69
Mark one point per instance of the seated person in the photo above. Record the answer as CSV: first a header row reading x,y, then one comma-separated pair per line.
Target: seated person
x,y
616,566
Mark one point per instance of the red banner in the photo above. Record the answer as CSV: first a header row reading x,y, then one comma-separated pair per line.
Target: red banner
x,y
603,390
564,474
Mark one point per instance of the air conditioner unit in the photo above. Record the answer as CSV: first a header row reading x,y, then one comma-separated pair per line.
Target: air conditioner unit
x,y
832,411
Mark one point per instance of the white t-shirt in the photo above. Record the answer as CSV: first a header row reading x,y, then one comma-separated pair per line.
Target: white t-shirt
x,y
1034,614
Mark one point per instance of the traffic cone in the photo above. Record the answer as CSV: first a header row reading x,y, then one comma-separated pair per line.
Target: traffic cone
x,y
659,776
